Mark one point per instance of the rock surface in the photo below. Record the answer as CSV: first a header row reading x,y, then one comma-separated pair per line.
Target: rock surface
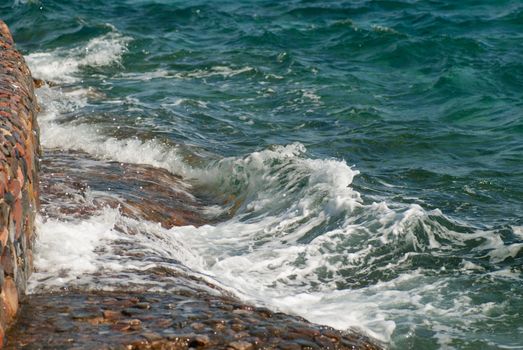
x,y
185,320
19,147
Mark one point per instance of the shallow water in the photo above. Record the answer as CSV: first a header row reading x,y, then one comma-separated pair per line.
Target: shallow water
x,y
358,163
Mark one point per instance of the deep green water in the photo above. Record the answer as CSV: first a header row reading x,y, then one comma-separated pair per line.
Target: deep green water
x,y
281,104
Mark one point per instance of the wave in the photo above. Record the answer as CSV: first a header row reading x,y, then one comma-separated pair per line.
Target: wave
x,y
55,133
62,65
213,71
301,238
302,241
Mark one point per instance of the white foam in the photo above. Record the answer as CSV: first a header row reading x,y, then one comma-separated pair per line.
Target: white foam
x,y
107,251
503,252
470,266
23,2
62,65
94,142
223,71
67,250
311,95
518,231
82,137
299,224
383,29
146,76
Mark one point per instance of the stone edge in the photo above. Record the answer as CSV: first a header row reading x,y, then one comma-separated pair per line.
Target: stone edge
x,y
19,185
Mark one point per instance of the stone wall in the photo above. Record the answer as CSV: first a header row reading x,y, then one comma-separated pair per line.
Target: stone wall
x,y
19,149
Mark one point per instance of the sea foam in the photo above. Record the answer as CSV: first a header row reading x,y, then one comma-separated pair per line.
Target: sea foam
x,y
301,240
61,65
299,233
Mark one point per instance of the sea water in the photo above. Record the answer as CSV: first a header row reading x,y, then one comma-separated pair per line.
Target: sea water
x,y
372,152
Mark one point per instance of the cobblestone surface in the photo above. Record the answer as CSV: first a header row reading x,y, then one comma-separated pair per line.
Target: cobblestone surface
x,y
185,320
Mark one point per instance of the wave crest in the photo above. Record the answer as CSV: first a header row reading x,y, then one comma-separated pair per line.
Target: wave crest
x,y
61,65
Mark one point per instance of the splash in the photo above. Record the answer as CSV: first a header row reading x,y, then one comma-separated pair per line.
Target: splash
x,y
300,237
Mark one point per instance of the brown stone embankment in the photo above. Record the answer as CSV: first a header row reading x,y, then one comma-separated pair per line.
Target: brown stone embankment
x,y
19,147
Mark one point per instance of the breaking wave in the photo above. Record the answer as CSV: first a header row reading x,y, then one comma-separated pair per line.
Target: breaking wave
x,y
301,239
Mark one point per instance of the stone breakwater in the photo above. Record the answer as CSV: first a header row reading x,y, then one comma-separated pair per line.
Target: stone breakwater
x,y
19,147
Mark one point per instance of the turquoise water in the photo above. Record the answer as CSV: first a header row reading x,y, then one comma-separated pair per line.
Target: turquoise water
x,y
374,148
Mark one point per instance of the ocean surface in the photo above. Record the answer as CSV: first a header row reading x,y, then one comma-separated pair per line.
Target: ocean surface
x,y
360,162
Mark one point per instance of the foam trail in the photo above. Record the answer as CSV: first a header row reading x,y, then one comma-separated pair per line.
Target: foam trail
x,y
109,148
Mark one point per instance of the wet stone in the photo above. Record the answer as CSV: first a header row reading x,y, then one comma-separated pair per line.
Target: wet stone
x,y
237,327
150,336
240,345
197,326
324,342
63,328
111,315
199,341
163,323
264,312
42,315
307,344
135,324
310,332
143,306
159,200
289,346
132,312
121,326
84,315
